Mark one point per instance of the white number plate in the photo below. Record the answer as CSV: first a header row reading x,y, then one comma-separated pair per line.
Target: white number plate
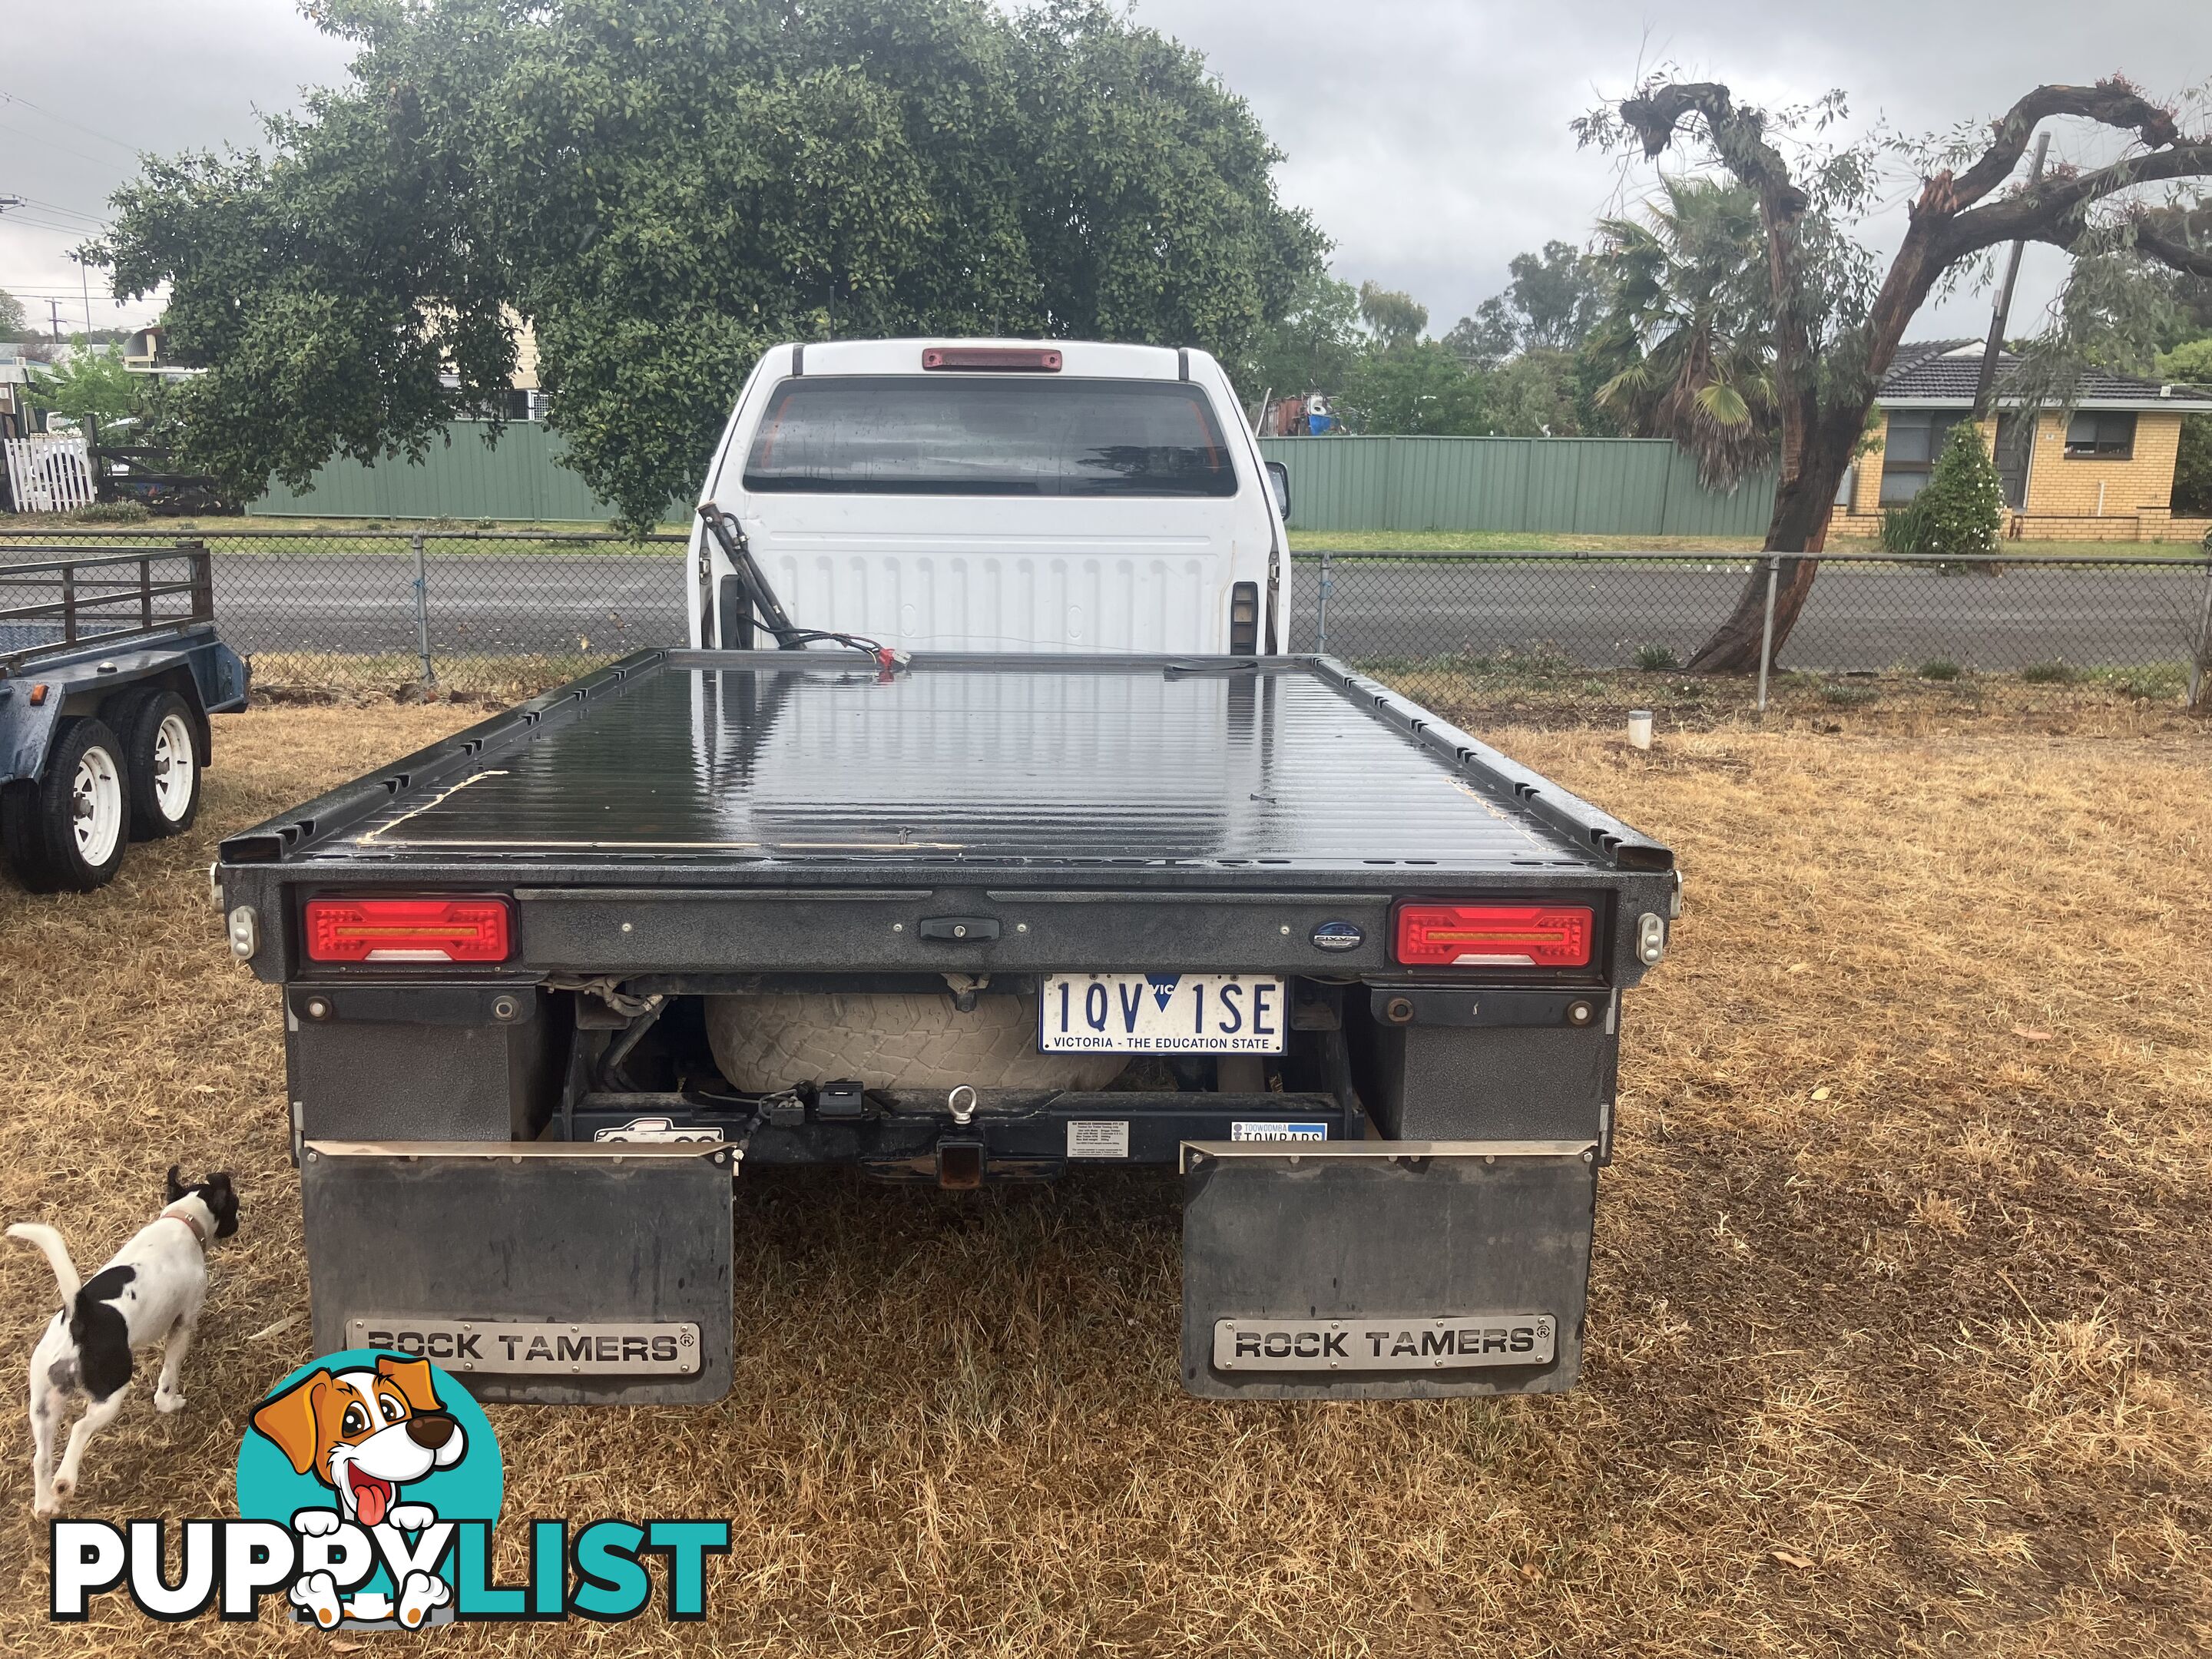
x,y
1162,1013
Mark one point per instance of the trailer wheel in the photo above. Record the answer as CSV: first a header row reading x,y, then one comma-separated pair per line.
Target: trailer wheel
x,y
161,748
67,832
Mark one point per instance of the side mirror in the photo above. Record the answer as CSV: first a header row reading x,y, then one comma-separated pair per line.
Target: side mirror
x,y
1279,477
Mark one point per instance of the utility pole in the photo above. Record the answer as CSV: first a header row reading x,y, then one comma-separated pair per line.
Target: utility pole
x,y
54,315
1985,382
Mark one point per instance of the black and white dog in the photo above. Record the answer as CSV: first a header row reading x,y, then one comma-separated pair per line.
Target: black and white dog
x,y
150,1292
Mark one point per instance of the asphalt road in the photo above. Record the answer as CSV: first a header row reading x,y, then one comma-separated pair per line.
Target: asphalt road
x,y
1596,615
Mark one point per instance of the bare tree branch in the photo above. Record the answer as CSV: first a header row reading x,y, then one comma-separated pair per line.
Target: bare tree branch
x,y
2188,255
2114,103
1739,136
2057,205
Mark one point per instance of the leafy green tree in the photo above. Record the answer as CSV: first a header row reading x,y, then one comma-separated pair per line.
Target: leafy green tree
x,y
662,188
2191,363
1314,348
1417,387
1962,505
14,325
1533,396
91,386
1392,317
1487,338
1685,334
1556,299
2192,468
1557,296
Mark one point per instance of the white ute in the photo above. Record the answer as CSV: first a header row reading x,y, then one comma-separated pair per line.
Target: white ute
x,y
1000,496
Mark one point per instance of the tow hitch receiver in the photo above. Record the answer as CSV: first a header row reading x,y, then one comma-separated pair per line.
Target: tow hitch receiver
x,y
555,1273
1378,1269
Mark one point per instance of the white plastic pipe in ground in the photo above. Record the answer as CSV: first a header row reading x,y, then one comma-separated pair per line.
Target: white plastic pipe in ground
x,y
1639,728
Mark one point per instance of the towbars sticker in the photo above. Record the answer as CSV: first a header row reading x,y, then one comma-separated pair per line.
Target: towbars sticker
x,y
368,1486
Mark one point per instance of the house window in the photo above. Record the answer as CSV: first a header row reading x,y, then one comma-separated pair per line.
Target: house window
x,y
1908,453
2101,434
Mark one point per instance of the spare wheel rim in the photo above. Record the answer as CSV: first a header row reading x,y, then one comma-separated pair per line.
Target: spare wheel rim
x,y
173,767
96,807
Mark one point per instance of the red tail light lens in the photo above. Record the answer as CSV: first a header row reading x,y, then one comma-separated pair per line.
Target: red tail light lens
x,y
408,930
1494,935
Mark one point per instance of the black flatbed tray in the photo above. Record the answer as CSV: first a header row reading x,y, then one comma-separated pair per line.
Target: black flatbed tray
x,y
809,768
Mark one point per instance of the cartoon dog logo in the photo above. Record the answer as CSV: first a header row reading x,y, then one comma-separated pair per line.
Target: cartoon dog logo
x,y
366,1434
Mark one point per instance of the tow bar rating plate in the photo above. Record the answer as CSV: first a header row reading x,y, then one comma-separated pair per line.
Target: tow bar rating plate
x,y
1161,1014
1424,1344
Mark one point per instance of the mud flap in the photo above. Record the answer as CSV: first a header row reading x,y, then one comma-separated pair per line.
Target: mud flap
x,y
548,1272
1380,1270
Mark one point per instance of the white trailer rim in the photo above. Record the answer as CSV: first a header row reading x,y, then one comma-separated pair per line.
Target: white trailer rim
x,y
96,806
173,767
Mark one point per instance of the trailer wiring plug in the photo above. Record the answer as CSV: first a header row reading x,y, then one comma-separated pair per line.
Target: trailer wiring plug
x,y
890,659
760,599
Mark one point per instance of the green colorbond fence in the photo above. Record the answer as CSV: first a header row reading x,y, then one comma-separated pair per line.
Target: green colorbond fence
x,y
1555,486
464,478
1543,486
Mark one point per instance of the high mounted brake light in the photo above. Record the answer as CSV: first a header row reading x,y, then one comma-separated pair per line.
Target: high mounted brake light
x,y
1003,360
407,930
1494,935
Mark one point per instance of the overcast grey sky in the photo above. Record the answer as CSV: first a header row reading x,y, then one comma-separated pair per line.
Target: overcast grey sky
x,y
1427,137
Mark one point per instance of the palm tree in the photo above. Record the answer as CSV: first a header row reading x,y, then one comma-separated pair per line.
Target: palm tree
x,y
1686,333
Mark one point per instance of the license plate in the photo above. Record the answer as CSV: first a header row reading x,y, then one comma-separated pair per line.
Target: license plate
x,y
1432,1343
512,1347
1162,1014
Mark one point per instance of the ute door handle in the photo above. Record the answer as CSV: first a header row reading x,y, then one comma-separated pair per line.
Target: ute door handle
x,y
960,930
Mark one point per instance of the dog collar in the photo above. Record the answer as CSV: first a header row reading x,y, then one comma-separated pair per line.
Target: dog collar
x,y
198,1231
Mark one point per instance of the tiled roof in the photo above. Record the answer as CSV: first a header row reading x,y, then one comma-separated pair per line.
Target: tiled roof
x,y
1940,373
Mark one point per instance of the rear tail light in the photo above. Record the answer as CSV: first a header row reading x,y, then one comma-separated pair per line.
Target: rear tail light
x,y
1494,935
1003,360
1244,617
407,930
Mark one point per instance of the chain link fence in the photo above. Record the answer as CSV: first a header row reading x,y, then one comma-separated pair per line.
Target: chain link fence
x,y
499,614
1413,617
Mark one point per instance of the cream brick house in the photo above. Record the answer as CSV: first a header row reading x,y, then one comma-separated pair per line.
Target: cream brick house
x,y
2105,472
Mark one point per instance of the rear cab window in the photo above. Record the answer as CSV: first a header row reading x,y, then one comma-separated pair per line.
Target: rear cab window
x,y
988,435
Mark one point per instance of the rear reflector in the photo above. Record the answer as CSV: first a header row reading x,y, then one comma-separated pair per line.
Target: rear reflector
x,y
1003,360
407,930
1493,936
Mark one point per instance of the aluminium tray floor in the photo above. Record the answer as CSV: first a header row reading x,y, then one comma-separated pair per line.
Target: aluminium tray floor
x,y
1043,762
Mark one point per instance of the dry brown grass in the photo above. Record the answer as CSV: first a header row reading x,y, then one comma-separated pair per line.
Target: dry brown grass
x,y
1900,1324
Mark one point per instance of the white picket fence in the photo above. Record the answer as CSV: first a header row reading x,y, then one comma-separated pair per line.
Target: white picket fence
x,y
49,472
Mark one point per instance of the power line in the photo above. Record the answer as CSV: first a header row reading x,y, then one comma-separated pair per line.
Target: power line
x,y
31,222
6,97
40,139
66,212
